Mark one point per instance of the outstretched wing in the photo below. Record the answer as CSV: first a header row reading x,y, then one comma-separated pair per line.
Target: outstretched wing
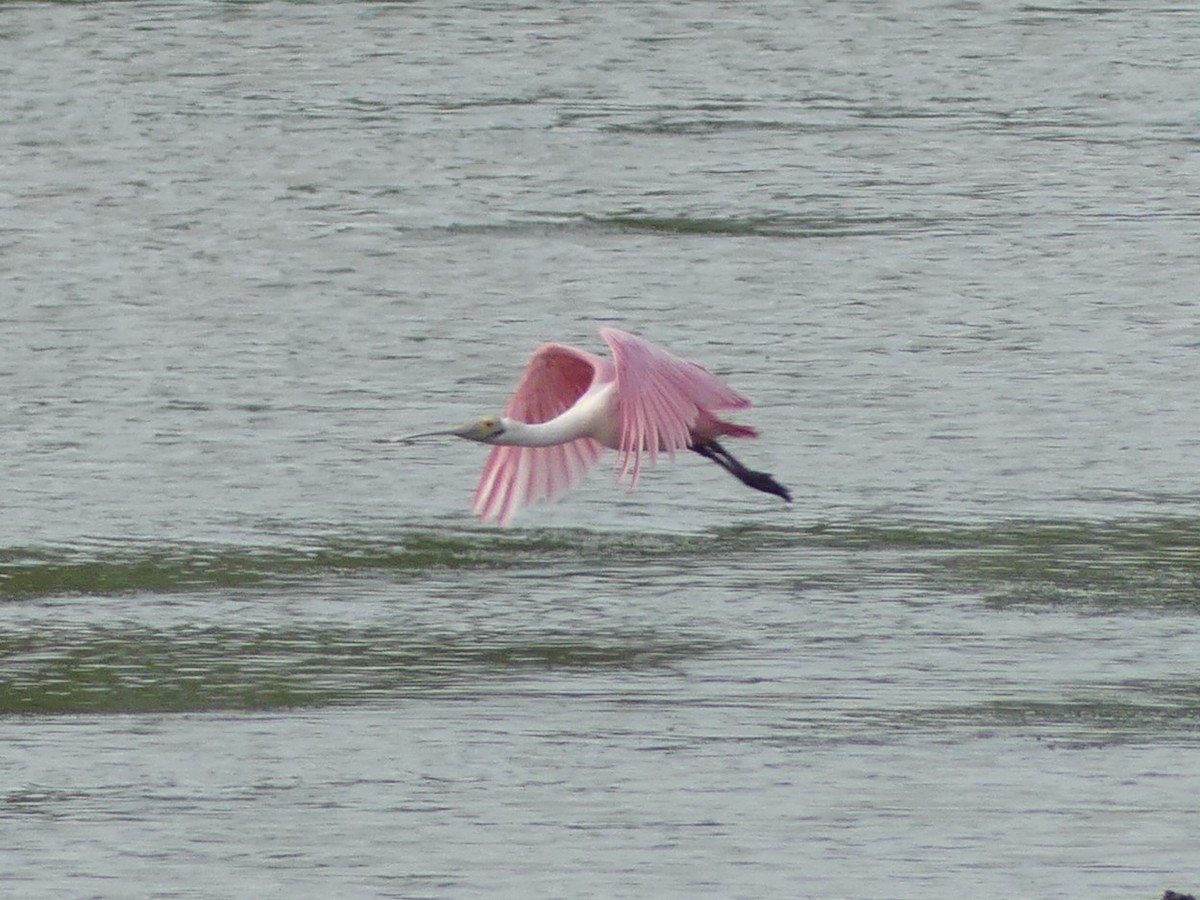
x,y
513,477
660,398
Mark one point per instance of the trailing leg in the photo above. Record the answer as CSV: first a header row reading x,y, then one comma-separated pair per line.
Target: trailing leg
x,y
760,481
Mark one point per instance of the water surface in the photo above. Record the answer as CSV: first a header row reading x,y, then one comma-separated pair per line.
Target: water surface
x,y
949,251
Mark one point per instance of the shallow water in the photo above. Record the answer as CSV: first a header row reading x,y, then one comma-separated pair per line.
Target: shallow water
x,y
247,649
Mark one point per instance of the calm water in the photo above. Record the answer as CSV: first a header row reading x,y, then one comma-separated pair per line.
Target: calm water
x,y
948,248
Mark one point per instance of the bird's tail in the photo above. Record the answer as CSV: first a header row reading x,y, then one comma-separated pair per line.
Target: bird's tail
x,y
732,429
709,426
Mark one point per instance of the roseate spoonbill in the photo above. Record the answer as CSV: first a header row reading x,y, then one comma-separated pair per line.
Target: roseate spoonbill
x,y
571,404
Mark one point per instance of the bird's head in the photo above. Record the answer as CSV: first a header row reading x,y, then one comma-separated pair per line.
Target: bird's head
x,y
485,430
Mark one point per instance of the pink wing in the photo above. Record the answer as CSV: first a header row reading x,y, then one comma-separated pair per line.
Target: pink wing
x,y
661,399
513,477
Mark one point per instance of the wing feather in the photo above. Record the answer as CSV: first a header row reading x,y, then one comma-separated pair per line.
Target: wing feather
x,y
513,477
660,398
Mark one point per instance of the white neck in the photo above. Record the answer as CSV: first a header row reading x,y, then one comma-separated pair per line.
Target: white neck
x,y
592,416
547,434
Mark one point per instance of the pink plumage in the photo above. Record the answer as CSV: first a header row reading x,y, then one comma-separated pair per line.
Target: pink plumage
x,y
515,476
644,400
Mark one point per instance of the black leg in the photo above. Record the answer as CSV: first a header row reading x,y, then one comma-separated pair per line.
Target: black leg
x,y
760,481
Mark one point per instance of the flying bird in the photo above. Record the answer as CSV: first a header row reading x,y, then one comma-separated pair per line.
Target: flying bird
x,y
571,404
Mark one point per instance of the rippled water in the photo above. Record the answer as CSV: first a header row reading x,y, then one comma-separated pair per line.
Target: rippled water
x,y
249,650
